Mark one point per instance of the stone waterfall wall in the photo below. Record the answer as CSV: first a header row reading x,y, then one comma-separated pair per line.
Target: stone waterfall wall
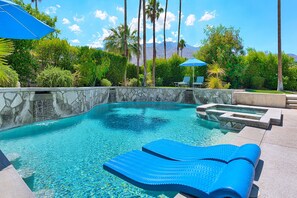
x,y
28,105
19,106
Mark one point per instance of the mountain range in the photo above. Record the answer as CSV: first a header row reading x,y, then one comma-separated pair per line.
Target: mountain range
x,y
171,49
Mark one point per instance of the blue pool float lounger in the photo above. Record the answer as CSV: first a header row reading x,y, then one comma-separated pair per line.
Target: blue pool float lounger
x,y
200,178
173,150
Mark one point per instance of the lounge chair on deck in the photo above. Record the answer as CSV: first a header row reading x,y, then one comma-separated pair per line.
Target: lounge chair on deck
x,y
173,150
199,81
185,82
201,178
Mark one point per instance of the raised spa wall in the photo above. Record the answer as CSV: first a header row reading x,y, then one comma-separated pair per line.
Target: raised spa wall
x,y
20,106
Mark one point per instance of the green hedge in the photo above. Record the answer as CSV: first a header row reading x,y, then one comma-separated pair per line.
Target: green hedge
x,y
97,64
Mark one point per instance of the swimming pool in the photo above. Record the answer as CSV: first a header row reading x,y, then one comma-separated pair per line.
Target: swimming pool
x,y
67,154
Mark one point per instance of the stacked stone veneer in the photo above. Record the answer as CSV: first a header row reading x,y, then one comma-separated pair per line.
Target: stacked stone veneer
x,y
219,96
19,106
150,94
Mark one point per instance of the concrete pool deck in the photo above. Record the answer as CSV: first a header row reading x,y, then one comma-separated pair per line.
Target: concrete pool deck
x,y
276,173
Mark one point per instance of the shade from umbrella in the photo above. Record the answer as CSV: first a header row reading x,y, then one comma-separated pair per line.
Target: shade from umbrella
x,y
16,23
193,62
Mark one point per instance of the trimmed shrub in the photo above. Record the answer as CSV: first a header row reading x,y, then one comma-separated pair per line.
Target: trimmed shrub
x,y
105,83
133,82
55,77
8,77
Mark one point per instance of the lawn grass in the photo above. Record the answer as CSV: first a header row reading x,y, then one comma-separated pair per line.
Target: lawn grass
x,y
270,91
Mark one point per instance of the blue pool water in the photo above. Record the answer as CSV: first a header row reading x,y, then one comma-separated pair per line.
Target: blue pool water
x,y
67,155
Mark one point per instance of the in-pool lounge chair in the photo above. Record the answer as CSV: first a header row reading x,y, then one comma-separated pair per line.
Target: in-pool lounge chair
x,y
201,178
173,150
199,81
185,82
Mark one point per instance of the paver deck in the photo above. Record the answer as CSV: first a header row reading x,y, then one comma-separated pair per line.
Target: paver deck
x,y
276,173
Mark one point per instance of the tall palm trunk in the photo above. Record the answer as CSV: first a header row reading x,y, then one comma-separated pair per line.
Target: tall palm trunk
x,y
154,45
179,21
36,7
125,39
138,41
280,86
144,43
164,28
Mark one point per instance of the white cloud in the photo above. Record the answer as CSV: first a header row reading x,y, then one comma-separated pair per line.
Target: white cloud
x,y
65,21
78,19
98,43
160,22
75,41
113,19
101,14
175,34
75,28
58,6
120,9
51,10
190,20
170,39
157,40
208,16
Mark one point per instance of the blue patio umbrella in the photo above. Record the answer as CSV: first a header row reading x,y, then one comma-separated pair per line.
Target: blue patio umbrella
x,y
16,23
193,62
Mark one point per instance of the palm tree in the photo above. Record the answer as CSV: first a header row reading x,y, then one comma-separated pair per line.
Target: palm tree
x,y
280,86
179,21
35,1
182,45
215,73
144,43
153,11
164,28
125,38
115,42
138,41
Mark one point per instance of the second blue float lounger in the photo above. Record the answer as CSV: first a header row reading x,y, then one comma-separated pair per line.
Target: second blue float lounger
x,y
173,150
200,178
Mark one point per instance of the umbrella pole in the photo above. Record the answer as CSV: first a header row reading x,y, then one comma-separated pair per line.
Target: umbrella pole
x,y
193,77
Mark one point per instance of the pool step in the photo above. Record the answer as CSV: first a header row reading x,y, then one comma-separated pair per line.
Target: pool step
x,y
292,106
291,101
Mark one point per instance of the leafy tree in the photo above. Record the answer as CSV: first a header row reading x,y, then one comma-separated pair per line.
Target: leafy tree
x,y
182,45
57,53
22,60
223,46
115,41
153,11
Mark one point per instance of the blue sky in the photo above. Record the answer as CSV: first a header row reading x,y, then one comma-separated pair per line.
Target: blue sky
x,y
87,22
